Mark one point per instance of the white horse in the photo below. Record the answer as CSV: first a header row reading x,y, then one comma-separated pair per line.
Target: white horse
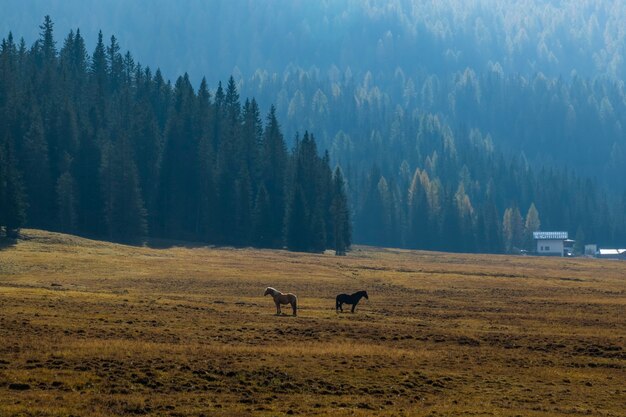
x,y
280,298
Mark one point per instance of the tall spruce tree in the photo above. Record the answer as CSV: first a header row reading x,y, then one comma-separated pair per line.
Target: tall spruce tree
x,y
341,226
274,176
262,219
12,204
125,213
297,230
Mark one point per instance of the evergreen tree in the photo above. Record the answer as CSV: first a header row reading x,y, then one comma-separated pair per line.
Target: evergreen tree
x,y
37,176
86,172
66,203
342,229
12,204
207,209
243,213
417,213
490,229
297,233
371,214
274,176
229,160
449,239
125,213
115,64
579,245
99,66
46,41
262,219
177,196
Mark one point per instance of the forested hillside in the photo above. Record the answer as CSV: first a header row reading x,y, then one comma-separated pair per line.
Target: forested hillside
x,y
98,145
457,126
556,37
498,140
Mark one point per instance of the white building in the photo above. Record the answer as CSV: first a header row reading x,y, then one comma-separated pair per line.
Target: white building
x,y
550,243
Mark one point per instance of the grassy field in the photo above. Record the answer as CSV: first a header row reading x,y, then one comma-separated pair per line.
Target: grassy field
x,y
96,329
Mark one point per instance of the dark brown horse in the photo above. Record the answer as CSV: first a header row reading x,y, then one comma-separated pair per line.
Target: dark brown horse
x,y
349,299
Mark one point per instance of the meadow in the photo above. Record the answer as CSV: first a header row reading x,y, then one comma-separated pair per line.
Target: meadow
x,y
97,329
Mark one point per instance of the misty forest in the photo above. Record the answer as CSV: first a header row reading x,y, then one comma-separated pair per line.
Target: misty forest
x,y
460,128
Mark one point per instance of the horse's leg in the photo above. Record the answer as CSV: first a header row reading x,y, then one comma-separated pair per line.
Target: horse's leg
x,y
277,308
294,308
353,307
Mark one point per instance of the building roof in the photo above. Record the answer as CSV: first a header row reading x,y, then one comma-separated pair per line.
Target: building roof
x,y
606,252
549,235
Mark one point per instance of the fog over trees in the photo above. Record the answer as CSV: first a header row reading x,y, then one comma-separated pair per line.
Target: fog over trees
x,y
457,125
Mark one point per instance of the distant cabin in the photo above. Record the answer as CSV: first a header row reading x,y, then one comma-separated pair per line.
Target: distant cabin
x,y
553,244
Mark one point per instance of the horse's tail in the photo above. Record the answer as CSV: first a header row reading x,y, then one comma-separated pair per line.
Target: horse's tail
x,y
294,304
337,303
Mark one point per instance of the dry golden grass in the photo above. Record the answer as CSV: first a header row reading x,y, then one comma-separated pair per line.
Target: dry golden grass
x,y
98,329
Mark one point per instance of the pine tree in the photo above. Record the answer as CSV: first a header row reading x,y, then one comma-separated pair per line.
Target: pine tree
x,y
46,40
86,173
342,229
579,245
34,163
297,232
125,213
66,203
178,204
229,161
252,137
262,219
115,65
274,176
99,66
370,212
449,239
491,228
207,209
243,207
12,203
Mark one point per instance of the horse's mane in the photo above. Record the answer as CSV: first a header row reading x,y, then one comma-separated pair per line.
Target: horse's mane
x,y
358,293
272,290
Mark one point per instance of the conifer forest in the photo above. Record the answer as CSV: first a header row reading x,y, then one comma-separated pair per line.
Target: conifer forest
x,y
465,150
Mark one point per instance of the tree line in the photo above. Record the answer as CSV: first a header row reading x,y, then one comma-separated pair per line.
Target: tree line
x,y
100,146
